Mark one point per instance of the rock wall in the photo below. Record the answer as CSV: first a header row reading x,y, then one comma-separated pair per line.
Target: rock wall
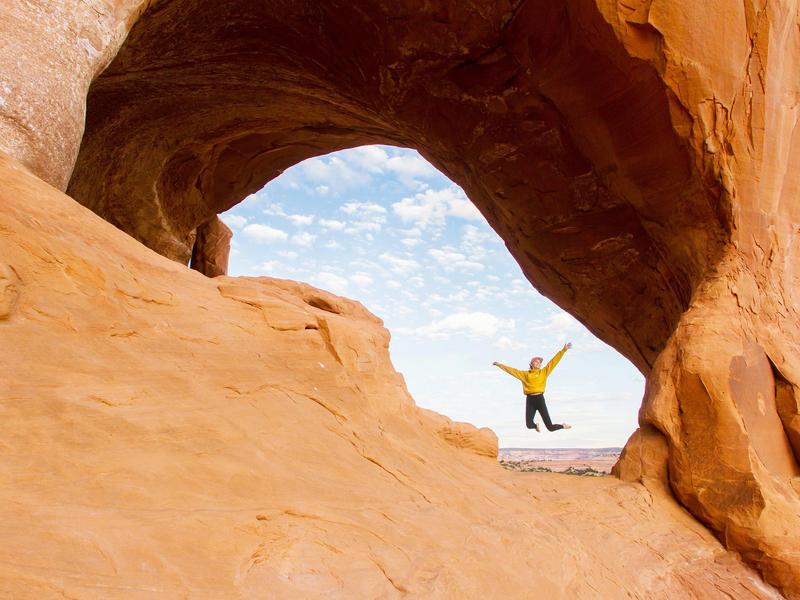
x,y
50,52
724,391
640,159
201,108
167,435
212,247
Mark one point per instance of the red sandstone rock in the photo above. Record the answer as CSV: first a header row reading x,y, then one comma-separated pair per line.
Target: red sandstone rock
x,y
50,52
8,290
167,434
212,246
639,158
481,441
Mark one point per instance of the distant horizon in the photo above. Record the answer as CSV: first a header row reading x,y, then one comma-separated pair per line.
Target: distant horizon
x,y
566,448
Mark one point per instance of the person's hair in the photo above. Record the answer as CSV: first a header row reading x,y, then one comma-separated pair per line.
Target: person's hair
x,y
537,358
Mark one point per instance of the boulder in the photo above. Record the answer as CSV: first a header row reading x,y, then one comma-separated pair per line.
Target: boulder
x,y
212,247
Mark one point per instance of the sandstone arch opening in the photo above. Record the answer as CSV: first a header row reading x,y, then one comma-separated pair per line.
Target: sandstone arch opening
x,y
622,184
169,142
380,225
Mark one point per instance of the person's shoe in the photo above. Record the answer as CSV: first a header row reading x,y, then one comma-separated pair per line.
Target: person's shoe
x,y
566,426
536,427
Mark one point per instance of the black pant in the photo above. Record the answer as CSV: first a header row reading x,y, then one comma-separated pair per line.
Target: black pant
x,y
534,402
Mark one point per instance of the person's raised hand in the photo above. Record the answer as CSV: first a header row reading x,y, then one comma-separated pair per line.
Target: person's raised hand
x,y
494,364
568,345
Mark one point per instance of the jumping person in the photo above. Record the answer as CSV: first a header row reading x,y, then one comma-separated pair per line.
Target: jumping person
x,y
533,383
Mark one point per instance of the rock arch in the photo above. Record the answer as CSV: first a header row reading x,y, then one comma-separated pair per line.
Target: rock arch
x,y
639,161
515,108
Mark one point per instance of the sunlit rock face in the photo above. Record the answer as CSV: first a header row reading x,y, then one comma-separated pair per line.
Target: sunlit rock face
x,y
640,160
169,435
50,52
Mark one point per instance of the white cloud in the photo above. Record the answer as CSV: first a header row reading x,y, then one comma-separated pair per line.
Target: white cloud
x,y
399,264
366,217
491,293
563,321
301,220
422,210
410,242
470,265
474,242
452,299
413,232
303,239
473,324
234,221
288,253
412,166
332,224
370,158
363,264
274,209
322,190
361,279
254,199
375,160
331,281
473,235
395,285
264,233
464,209
432,207
563,326
362,226
506,343
332,172
333,244
450,260
402,309
267,266
362,208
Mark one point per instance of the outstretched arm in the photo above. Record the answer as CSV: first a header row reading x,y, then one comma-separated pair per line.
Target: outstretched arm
x,y
554,361
510,370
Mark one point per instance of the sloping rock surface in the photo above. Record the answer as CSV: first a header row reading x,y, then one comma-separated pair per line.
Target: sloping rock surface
x,y
166,435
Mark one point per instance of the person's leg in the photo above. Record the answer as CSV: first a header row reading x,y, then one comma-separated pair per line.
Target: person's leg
x,y
542,408
530,413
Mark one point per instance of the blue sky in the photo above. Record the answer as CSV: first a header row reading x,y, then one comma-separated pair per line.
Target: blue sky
x,y
380,225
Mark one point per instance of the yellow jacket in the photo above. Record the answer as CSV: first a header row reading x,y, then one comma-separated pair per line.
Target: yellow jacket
x,y
533,381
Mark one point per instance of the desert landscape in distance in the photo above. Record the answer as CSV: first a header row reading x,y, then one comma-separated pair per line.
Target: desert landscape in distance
x,y
578,461
170,431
